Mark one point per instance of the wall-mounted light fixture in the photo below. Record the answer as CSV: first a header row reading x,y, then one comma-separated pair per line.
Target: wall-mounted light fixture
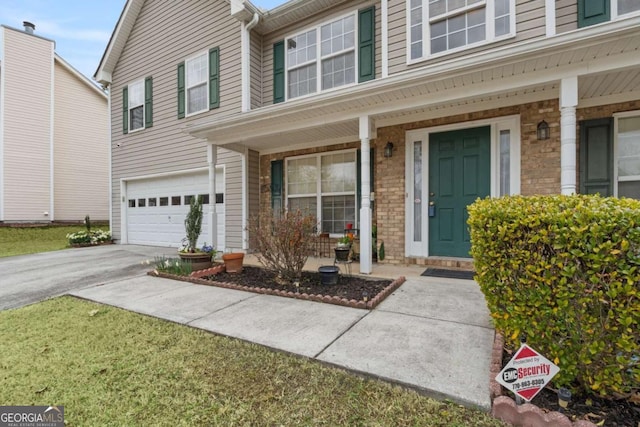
x,y
388,149
543,131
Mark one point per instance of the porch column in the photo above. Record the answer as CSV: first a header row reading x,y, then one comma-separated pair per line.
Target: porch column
x,y
212,216
365,202
568,103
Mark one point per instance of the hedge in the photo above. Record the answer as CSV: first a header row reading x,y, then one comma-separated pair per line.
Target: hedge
x,y
565,271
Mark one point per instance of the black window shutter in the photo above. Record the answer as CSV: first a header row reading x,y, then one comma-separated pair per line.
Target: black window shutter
x,y
278,72
277,178
596,157
591,12
214,78
181,93
148,102
367,44
125,110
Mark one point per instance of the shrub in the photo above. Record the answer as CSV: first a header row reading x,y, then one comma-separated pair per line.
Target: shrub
x,y
172,266
283,242
193,223
88,237
565,271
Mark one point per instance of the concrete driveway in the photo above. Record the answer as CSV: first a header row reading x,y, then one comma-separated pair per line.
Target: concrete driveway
x,y
27,279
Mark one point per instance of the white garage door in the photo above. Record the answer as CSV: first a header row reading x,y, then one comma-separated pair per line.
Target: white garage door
x,y
156,208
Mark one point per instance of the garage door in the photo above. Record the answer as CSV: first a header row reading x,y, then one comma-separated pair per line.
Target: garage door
x,y
157,208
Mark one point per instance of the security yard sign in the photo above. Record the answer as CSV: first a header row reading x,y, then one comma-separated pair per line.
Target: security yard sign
x,y
527,373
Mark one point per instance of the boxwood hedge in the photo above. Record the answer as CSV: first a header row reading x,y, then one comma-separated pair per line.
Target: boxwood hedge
x,y
565,271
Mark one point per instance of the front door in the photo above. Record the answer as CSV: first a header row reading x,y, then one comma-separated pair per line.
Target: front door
x,y
459,173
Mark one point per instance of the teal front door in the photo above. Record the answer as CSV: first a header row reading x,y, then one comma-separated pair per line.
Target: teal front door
x,y
459,173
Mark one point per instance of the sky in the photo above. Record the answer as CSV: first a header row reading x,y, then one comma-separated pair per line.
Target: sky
x,y
80,28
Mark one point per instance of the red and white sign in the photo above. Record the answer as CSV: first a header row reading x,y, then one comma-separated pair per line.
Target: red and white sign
x,y
527,373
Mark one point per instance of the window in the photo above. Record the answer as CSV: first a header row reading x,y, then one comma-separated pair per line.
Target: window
x,y
141,203
132,203
164,201
440,26
137,105
199,83
334,45
324,185
175,200
324,57
627,6
628,159
197,71
152,202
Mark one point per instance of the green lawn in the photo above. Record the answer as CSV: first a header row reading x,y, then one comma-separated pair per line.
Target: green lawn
x,y
108,366
30,240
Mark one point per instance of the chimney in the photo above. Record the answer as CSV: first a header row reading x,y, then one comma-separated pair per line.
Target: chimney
x,y
28,27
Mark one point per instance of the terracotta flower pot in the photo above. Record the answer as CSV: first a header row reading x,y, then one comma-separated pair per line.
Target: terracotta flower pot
x,y
233,262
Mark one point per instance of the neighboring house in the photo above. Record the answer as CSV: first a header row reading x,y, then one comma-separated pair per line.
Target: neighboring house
x,y
397,113
54,163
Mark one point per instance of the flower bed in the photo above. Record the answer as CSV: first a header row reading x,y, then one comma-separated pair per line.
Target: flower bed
x,y
351,291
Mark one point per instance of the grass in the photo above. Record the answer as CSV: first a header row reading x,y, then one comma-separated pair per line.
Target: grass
x,y
31,240
108,366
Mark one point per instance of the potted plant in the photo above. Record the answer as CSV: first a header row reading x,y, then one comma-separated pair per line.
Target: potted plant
x,y
233,262
342,249
189,252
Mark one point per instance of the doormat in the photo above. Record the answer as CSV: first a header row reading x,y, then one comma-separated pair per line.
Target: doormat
x,y
452,274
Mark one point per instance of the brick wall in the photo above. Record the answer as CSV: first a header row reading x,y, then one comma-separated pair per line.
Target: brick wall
x,y
540,162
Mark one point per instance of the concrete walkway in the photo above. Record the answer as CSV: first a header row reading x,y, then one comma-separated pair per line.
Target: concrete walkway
x,y
432,334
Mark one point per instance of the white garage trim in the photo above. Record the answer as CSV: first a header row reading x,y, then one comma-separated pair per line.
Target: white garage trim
x,y
153,207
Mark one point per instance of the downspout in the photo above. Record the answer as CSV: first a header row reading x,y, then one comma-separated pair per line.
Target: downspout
x,y
246,107
246,62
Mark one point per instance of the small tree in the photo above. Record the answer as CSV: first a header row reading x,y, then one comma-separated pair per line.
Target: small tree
x,y
193,223
283,242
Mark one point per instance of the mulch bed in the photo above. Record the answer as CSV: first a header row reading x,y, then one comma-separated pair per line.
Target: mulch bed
x,y
604,412
351,291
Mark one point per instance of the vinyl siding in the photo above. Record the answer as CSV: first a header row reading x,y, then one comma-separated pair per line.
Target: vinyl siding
x,y
566,15
530,23
336,12
256,70
165,34
27,68
81,149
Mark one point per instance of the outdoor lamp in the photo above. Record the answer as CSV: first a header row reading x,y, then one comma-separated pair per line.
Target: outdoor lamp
x,y
388,149
564,397
543,131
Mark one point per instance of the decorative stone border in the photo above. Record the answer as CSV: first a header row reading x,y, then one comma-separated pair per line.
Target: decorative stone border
x,y
505,408
196,277
86,245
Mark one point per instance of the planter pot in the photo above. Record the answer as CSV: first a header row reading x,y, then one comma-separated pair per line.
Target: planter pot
x,y
328,274
233,262
342,254
198,261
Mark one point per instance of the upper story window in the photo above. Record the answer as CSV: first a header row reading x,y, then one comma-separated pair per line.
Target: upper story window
x,y
440,26
197,71
333,54
199,83
137,105
328,52
591,12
